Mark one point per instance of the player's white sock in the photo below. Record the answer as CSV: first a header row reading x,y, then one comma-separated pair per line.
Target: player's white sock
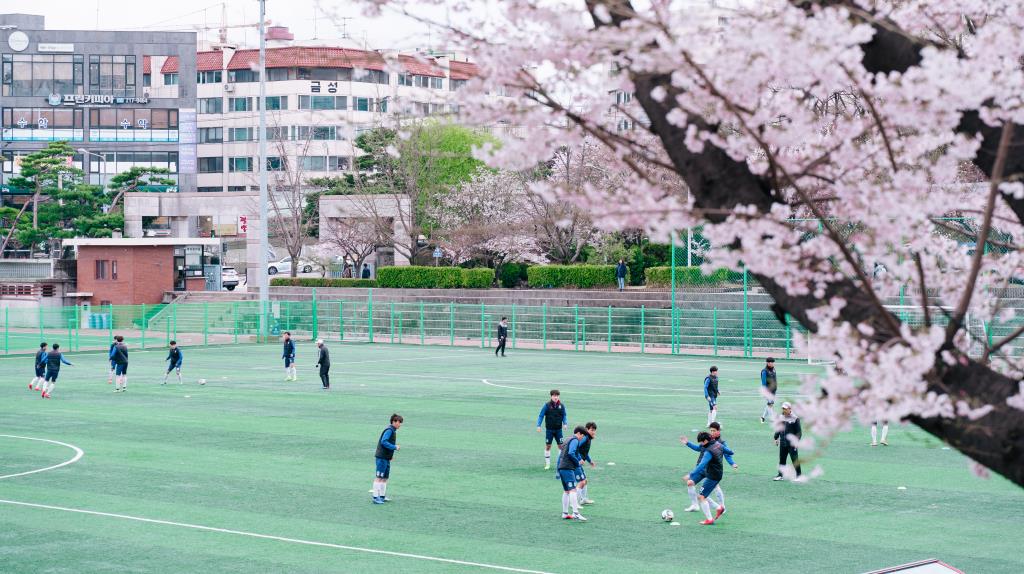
x,y
719,495
565,503
376,489
383,489
179,377
295,373
885,431
714,414
874,434
48,387
574,501
706,508
692,491
583,493
547,457
769,412
714,505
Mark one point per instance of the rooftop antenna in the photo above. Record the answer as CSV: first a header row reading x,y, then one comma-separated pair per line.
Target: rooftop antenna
x,y
316,34
344,26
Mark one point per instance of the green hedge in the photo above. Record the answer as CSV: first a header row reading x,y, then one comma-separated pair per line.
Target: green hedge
x,y
662,276
417,277
581,276
478,278
512,274
320,282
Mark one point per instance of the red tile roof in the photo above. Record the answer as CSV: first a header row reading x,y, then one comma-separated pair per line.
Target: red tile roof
x,y
424,67
462,70
308,57
170,65
209,61
147,65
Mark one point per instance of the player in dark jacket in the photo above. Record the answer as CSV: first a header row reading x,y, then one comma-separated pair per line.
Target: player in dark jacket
x,y
502,336
54,359
40,369
387,446
288,355
324,362
709,470
552,416
711,393
568,465
119,355
174,360
582,484
789,432
769,386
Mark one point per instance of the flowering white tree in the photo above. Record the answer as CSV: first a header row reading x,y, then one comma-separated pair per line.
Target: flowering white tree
x,y
488,217
862,113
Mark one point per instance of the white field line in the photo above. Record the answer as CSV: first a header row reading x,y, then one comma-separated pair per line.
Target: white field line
x,y
488,383
78,454
276,538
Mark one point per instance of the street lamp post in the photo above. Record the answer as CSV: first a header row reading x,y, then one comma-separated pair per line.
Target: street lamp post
x,y
103,162
261,273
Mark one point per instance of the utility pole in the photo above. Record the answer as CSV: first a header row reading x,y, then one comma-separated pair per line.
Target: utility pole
x,y
261,273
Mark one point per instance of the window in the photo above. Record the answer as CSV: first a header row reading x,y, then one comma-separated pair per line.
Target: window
x,y
280,74
277,133
113,269
236,188
370,76
362,104
211,165
436,83
42,124
49,290
323,102
112,75
211,105
110,163
209,189
436,108
314,163
211,135
275,163
337,163
622,98
454,85
239,104
243,76
133,124
147,80
42,74
277,102
210,77
239,164
241,134
171,79
404,79
101,269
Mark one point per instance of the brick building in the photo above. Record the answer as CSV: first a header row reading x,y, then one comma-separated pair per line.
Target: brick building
x,y
132,271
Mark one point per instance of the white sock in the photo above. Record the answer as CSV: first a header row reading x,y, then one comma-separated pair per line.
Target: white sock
x,y
547,456
49,388
583,493
692,491
179,377
720,495
565,503
574,501
714,505
885,431
376,489
706,508
714,414
383,489
874,434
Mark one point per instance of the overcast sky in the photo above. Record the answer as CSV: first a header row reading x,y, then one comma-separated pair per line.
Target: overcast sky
x,y
302,17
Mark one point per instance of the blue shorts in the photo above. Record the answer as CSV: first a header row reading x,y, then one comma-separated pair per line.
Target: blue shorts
x,y
696,478
172,367
383,468
288,361
120,369
40,371
52,376
112,364
708,487
712,403
568,478
552,434
580,474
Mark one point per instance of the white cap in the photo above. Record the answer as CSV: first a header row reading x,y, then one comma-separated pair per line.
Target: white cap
x,y
787,406
321,342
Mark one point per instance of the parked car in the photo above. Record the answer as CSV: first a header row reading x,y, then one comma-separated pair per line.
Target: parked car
x,y
285,266
229,278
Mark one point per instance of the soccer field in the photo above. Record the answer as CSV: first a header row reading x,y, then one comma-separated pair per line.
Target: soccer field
x,y
253,474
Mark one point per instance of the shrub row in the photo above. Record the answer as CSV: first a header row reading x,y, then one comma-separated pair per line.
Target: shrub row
x,y
579,276
662,276
320,282
416,277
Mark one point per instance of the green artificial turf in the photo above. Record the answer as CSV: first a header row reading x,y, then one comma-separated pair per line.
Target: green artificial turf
x,y
253,454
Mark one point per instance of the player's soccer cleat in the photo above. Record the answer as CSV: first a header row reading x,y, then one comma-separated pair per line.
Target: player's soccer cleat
x,y
884,443
719,512
30,386
762,420
547,466
707,522
378,500
587,501
579,517
777,477
566,516
873,443
691,508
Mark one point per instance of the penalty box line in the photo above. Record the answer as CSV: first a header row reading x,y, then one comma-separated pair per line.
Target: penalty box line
x,y
276,538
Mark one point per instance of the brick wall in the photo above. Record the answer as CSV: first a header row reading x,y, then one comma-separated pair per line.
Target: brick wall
x,y
143,274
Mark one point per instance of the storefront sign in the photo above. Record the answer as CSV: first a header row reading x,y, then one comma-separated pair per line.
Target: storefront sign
x,y
93,99
52,47
188,161
243,223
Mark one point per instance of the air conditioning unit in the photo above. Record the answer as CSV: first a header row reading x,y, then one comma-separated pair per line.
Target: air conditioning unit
x,y
229,87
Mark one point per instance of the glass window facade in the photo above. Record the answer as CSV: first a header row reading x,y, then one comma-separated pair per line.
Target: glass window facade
x,y
171,79
133,124
323,102
211,77
42,74
239,104
239,164
211,165
112,75
210,105
211,135
42,124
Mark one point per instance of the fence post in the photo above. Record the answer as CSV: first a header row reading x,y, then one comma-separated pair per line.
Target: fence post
x,y
78,326
7,330
745,315
422,332
672,317
391,318
609,328
144,320
714,328
206,323
576,328
110,324
369,315
41,335
316,322
399,327
167,326
513,325
483,310
174,317
584,334
789,334
544,324
71,334
234,320
451,324
642,320
341,321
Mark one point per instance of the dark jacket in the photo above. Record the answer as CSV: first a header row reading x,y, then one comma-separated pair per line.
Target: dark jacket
x,y
620,271
119,354
502,331
366,273
791,426
289,350
324,360
386,443
570,458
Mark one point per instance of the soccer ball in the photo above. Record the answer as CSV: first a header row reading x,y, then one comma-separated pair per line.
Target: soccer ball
x,y
202,381
667,515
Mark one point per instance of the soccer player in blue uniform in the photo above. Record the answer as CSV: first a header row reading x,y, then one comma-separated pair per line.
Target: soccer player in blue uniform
x,y
40,366
119,356
715,430
711,393
568,464
53,362
582,484
173,359
290,374
769,385
708,470
110,376
387,446
554,419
